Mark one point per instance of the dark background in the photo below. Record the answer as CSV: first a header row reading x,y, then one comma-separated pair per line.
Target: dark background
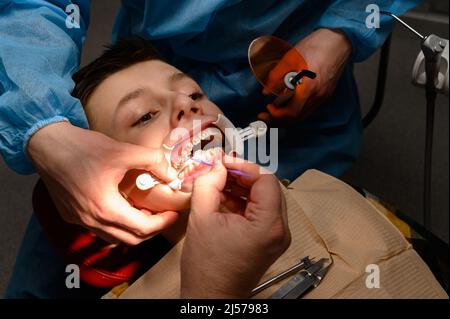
x,y
391,162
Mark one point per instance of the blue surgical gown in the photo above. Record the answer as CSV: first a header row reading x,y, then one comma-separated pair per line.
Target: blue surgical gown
x,y
208,39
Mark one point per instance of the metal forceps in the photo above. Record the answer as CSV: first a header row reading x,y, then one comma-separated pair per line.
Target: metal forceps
x,y
304,263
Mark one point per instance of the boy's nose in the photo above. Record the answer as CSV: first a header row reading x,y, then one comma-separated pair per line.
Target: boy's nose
x,y
184,108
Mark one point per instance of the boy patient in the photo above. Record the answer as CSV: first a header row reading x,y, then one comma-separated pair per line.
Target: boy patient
x,y
131,95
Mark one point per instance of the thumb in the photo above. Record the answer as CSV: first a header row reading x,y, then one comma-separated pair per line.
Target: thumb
x,y
206,193
151,159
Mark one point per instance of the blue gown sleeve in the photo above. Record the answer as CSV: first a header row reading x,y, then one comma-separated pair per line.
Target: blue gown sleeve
x,y
38,55
350,17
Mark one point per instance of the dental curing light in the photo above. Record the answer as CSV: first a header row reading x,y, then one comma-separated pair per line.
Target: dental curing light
x,y
279,67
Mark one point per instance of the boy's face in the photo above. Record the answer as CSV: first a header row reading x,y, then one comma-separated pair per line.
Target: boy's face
x,y
144,104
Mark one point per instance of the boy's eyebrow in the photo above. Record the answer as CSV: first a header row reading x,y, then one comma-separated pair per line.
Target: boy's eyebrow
x,y
180,76
140,91
130,96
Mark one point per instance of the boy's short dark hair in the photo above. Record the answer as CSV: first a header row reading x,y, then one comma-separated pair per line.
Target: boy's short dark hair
x,y
116,57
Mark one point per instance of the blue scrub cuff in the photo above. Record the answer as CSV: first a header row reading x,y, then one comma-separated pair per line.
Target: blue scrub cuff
x,y
37,126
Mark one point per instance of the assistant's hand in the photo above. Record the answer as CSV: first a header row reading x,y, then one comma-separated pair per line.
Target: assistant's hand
x,y
226,254
82,170
326,52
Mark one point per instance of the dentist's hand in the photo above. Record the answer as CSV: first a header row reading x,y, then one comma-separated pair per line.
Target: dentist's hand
x,y
226,254
82,170
326,52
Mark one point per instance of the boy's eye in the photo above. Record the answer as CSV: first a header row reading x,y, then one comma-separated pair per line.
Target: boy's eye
x,y
144,118
196,95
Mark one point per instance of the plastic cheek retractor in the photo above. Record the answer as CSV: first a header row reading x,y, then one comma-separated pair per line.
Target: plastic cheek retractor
x,y
145,181
235,139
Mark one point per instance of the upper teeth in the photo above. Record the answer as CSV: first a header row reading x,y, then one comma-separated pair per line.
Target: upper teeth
x,y
194,144
196,140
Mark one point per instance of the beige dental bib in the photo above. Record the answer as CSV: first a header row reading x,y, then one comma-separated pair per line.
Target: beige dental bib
x,y
327,218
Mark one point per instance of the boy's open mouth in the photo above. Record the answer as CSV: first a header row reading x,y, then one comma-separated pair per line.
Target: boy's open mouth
x,y
197,149
196,146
